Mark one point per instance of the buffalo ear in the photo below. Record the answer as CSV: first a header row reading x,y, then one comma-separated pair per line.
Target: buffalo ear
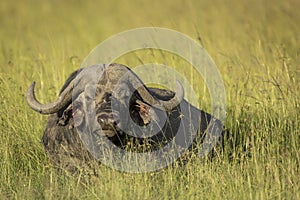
x,y
146,112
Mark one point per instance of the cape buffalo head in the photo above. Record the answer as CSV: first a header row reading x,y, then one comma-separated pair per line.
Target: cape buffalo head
x,y
112,92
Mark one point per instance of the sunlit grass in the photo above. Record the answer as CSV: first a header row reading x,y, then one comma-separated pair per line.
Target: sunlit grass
x,y
255,45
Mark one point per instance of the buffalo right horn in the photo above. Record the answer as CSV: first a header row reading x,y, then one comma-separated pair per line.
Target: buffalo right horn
x,y
151,100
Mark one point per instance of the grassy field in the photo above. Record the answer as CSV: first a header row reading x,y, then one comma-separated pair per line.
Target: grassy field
x,y
256,46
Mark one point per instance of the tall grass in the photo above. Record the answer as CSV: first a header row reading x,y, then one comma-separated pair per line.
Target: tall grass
x,y
255,45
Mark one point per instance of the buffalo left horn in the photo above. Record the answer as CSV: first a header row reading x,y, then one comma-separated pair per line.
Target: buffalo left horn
x,y
63,99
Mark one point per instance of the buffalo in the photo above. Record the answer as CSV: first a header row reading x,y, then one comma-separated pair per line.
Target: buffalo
x,y
111,102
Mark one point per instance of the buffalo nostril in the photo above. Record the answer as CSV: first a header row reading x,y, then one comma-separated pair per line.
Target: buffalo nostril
x,y
101,120
117,122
